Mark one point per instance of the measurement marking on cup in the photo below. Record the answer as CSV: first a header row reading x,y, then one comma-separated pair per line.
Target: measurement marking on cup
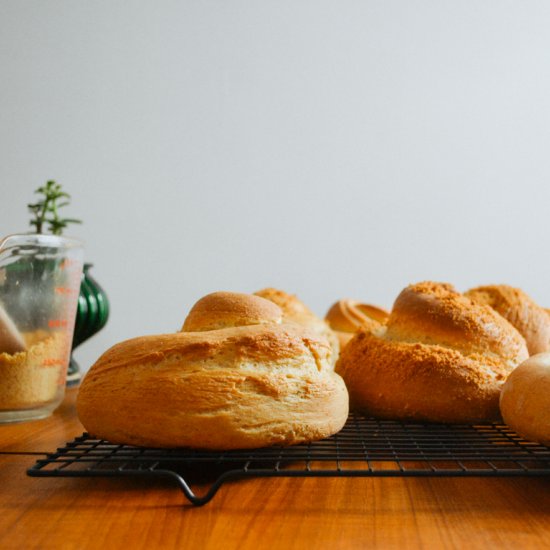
x,y
64,290
53,362
57,323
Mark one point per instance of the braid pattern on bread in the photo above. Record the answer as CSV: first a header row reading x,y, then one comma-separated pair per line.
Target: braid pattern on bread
x,y
441,357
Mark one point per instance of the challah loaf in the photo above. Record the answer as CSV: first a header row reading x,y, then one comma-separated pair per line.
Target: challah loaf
x,y
237,376
441,357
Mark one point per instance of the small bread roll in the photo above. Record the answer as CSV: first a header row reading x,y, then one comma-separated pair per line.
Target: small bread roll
x,y
440,358
236,377
525,399
296,311
346,317
530,319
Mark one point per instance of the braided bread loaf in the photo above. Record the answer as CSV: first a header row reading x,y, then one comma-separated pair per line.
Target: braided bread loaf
x,y
235,377
530,319
346,317
441,357
294,310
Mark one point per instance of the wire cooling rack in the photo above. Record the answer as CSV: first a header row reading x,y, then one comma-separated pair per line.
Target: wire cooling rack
x,y
365,447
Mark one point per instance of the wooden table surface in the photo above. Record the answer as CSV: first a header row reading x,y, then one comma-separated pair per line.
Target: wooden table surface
x,y
66,513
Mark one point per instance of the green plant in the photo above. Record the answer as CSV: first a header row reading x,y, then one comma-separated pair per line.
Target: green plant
x,y
45,211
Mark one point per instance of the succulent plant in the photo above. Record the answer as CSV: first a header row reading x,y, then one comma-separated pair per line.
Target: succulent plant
x,y
45,211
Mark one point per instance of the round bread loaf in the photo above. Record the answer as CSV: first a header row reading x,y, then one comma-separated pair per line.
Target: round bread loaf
x,y
440,358
235,377
296,311
530,319
525,399
346,317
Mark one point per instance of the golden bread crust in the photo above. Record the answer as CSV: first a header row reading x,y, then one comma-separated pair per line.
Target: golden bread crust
x,y
346,317
415,381
436,313
530,319
525,399
296,311
244,386
441,358
246,343
230,309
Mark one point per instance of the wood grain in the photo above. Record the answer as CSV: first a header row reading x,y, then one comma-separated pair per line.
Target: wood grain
x,y
285,513
46,434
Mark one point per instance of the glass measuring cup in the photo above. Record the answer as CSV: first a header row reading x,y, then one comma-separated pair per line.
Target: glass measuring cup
x,y
39,287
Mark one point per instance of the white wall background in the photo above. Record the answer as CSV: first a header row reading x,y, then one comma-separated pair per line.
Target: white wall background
x,y
329,148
